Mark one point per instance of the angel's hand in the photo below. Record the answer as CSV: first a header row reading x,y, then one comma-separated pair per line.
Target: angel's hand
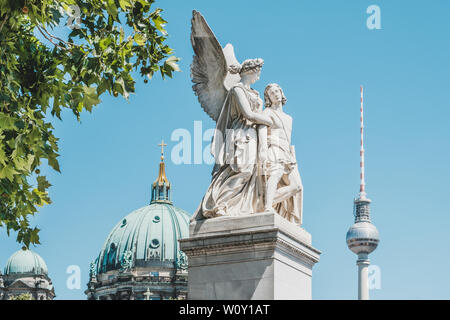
x,y
266,120
244,105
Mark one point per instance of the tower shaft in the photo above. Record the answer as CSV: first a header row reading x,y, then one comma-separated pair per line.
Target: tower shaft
x,y
363,263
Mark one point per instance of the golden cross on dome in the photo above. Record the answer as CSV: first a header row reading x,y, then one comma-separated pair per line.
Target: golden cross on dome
x,y
162,145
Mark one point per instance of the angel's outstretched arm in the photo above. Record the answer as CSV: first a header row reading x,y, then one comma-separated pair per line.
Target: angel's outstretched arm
x,y
257,118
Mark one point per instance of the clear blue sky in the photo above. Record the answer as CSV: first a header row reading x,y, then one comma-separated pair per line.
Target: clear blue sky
x,y
320,52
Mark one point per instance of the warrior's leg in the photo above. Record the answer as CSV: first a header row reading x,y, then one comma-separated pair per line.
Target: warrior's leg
x,y
271,188
294,186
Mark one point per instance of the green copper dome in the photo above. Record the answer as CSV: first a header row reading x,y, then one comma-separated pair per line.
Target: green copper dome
x,y
146,237
26,262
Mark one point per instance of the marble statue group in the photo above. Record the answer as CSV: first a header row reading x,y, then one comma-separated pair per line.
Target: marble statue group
x,y
255,164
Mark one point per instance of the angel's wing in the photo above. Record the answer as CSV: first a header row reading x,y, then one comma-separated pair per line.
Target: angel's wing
x,y
230,79
209,68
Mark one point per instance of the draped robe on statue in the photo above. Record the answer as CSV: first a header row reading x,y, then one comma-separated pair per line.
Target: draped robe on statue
x,y
234,189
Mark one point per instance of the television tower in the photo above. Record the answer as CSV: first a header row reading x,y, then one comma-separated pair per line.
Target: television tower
x,y
362,237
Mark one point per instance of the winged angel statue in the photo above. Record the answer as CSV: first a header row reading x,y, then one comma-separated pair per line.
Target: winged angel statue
x,y
223,89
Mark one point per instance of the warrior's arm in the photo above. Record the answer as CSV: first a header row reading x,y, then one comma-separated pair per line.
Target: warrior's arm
x,y
262,142
244,105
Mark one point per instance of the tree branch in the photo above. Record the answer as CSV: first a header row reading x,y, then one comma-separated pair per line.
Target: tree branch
x,y
49,39
3,23
54,37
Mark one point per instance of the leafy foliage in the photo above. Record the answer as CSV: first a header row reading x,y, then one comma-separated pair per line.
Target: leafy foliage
x,y
22,296
41,74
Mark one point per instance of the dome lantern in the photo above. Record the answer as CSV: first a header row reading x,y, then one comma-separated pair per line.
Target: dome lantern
x,y
161,186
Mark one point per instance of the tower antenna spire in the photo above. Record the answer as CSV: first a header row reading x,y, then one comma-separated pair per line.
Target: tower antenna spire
x,y
362,186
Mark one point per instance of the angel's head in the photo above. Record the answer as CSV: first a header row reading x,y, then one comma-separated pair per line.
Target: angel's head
x,y
250,68
273,94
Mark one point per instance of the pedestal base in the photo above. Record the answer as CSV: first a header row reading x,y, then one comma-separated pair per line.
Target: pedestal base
x,y
259,256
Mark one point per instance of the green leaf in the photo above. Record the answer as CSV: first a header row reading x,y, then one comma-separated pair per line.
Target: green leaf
x,y
90,97
52,162
124,4
139,39
3,157
111,8
7,172
159,24
43,184
6,122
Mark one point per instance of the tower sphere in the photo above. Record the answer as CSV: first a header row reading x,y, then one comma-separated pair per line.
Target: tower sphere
x,y
362,237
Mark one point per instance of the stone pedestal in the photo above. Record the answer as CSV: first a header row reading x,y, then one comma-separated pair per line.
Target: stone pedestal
x,y
259,256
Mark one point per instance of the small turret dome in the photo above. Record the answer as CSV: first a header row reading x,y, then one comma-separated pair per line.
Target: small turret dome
x,y
25,262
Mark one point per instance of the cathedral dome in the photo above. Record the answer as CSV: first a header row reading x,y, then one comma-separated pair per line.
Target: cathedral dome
x,y
146,237
141,257
25,262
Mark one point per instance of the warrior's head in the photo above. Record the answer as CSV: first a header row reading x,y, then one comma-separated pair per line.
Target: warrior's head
x,y
273,94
